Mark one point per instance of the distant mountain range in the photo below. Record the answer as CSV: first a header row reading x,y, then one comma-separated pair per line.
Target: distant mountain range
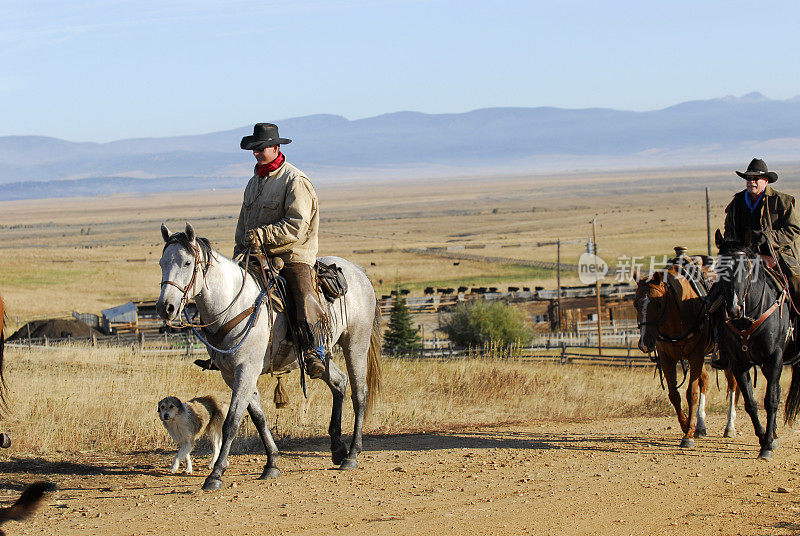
x,y
411,144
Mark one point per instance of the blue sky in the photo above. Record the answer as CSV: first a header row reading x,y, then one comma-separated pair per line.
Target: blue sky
x,y
99,70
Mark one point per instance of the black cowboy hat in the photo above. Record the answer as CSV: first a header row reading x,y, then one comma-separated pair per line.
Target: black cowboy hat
x,y
758,170
264,135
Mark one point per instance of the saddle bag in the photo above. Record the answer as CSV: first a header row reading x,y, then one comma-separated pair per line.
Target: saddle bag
x,y
331,281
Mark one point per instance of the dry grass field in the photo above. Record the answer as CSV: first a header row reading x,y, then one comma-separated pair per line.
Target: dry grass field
x,y
89,254
77,398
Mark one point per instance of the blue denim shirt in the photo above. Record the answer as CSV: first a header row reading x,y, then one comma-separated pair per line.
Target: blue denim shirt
x,y
753,204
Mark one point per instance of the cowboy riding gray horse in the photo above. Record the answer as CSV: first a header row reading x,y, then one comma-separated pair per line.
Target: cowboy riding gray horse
x,y
252,340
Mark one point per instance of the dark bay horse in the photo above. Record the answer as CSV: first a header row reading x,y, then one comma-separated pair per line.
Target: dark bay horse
x,y
672,321
754,328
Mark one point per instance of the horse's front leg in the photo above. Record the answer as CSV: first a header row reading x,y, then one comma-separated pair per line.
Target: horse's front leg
x,y
693,402
337,381
357,369
742,373
260,421
668,368
771,401
243,385
733,398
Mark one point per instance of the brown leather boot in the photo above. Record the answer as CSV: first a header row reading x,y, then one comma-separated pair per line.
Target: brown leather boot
x,y
315,367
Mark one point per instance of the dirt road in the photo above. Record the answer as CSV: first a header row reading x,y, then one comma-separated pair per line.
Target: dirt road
x,y
622,476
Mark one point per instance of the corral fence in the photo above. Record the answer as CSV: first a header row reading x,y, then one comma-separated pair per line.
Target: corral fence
x,y
563,353
181,343
619,349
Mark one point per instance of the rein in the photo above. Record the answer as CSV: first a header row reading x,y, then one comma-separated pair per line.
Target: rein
x,y
745,334
252,312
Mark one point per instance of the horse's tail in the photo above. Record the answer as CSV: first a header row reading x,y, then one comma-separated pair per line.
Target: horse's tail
x,y
793,398
374,379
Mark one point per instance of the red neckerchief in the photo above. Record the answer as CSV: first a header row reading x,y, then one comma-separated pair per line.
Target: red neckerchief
x,y
266,169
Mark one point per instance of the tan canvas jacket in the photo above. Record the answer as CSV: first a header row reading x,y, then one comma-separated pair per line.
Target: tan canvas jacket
x,y
776,213
283,208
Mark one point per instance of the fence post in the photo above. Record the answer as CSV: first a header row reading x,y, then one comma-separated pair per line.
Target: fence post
x,y
45,341
628,357
94,340
563,352
141,340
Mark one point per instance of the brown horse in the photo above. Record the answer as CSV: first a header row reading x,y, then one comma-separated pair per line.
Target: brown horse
x,y
672,321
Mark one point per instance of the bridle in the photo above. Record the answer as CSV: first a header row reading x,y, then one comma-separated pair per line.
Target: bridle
x,y
755,323
748,285
198,261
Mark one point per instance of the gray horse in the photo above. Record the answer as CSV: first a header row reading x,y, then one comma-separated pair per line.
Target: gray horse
x,y
191,269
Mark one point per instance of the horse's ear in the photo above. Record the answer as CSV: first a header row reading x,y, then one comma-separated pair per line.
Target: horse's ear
x,y
635,275
189,232
676,285
165,232
718,240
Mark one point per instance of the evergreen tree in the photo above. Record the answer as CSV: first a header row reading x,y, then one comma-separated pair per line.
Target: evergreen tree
x,y
401,336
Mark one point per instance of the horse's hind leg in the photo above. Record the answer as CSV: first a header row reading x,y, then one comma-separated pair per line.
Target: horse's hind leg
x,y
260,421
356,356
337,381
733,397
700,430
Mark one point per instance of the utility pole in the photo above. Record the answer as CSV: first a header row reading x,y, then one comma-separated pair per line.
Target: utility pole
x,y
597,290
708,222
558,279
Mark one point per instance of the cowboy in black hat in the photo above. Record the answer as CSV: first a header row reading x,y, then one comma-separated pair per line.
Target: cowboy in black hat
x,y
280,212
765,219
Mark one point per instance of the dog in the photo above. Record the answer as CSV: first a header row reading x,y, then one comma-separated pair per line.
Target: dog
x,y
188,421
27,504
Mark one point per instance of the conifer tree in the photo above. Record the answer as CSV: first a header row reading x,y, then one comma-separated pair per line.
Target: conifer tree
x,y
401,337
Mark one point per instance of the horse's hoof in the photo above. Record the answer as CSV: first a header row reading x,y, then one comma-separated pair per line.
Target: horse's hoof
x,y
212,484
338,455
687,443
270,472
700,432
765,454
729,432
349,464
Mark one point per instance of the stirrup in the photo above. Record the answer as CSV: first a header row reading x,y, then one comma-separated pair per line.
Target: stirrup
x,y
315,362
315,367
719,363
206,364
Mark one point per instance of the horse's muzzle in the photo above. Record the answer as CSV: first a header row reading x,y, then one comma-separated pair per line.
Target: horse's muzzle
x,y
166,310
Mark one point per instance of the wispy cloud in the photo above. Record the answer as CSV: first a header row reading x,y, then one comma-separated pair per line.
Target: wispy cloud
x,y
26,26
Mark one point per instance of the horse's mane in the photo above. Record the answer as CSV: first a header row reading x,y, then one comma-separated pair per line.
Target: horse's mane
x,y
730,247
183,239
